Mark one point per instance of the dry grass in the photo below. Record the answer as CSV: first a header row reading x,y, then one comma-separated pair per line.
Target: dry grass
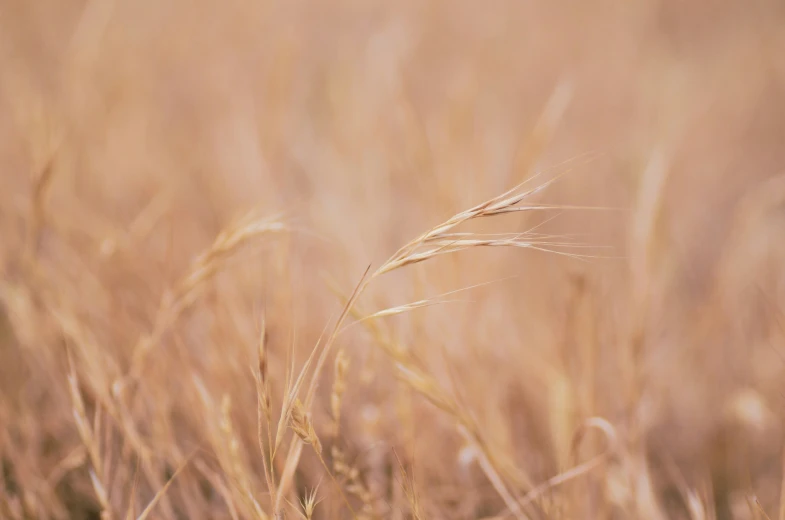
x,y
246,270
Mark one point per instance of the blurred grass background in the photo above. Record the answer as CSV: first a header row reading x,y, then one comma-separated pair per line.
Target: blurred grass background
x,y
133,133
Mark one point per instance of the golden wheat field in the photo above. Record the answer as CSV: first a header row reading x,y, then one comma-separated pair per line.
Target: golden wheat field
x,y
422,259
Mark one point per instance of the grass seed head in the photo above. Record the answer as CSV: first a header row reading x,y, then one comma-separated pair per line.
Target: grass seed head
x,y
301,424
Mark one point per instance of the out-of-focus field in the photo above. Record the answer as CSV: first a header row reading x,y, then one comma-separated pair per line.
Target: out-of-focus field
x,y
191,190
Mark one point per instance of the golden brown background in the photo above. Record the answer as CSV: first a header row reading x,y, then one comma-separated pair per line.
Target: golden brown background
x,y
133,132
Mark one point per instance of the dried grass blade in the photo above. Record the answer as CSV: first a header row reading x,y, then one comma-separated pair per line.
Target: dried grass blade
x,y
161,492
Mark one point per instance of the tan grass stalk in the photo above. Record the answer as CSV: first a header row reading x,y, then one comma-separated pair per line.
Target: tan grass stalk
x,y
303,427
643,252
781,515
351,479
161,492
437,241
87,434
756,509
216,481
184,294
613,448
409,489
264,410
110,400
37,219
341,367
425,385
130,513
692,500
